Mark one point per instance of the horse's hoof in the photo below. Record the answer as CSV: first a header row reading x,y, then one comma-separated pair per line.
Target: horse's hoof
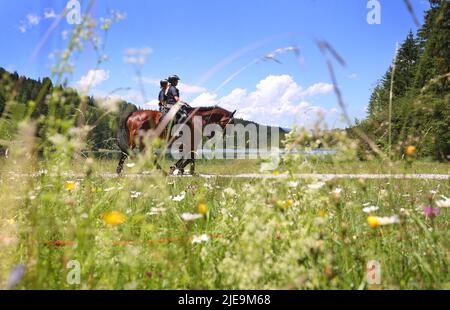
x,y
175,171
172,170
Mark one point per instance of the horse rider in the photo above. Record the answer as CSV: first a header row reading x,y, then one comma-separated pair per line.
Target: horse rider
x,y
173,98
162,97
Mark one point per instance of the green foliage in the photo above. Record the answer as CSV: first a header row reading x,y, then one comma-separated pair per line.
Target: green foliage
x,y
55,109
420,93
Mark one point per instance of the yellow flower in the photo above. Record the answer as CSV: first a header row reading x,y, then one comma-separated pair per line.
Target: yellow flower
x,y
322,213
202,208
70,185
276,173
411,151
373,221
114,218
288,203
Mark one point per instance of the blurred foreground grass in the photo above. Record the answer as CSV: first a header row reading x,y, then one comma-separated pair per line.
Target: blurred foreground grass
x,y
216,233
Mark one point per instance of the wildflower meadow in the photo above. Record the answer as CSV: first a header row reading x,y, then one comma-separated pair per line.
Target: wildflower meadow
x,y
372,213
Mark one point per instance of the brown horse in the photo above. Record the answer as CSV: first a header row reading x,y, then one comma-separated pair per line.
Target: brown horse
x,y
134,124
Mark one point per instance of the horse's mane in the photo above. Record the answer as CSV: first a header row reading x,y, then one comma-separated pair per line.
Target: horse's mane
x,y
206,109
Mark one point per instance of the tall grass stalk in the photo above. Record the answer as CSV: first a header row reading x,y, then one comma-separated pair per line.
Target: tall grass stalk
x,y
391,95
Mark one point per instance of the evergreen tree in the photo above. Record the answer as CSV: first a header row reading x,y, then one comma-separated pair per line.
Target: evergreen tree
x,y
406,65
421,97
435,41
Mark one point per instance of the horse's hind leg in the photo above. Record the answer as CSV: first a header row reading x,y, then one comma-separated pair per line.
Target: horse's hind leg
x,y
187,162
123,157
158,167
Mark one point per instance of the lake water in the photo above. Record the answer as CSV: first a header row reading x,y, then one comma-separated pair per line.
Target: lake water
x,y
256,153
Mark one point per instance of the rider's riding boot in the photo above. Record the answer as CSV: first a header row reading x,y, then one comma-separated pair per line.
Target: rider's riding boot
x,y
182,118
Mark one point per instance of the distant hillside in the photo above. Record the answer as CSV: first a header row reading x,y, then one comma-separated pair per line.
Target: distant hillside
x,y
269,129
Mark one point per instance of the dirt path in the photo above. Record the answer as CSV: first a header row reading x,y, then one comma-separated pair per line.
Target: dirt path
x,y
336,176
321,176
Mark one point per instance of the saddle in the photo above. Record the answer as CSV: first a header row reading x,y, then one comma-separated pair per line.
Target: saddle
x,y
181,115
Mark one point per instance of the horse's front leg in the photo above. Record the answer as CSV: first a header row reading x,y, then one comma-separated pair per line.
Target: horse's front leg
x,y
122,159
192,168
192,161
178,166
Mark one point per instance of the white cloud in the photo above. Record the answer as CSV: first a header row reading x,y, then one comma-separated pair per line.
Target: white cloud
x,y
277,100
92,79
23,28
49,13
353,76
318,89
136,96
130,95
147,80
205,99
138,51
137,55
190,89
109,103
33,19
153,104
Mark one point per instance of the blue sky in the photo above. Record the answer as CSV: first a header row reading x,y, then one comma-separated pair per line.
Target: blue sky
x,y
206,42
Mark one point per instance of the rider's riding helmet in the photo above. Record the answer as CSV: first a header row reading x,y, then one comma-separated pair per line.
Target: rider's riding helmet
x,y
173,78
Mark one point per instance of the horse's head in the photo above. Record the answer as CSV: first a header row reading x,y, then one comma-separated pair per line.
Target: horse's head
x,y
227,118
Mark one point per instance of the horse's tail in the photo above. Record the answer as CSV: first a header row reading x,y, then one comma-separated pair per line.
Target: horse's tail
x,y
122,132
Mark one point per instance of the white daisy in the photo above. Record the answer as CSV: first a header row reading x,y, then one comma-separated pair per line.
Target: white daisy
x,y
316,186
229,191
388,220
191,216
200,239
208,186
443,203
135,194
179,197
292,184
370,209
156,211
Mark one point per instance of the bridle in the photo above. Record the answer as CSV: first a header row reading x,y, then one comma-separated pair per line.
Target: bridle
x,y
231,117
